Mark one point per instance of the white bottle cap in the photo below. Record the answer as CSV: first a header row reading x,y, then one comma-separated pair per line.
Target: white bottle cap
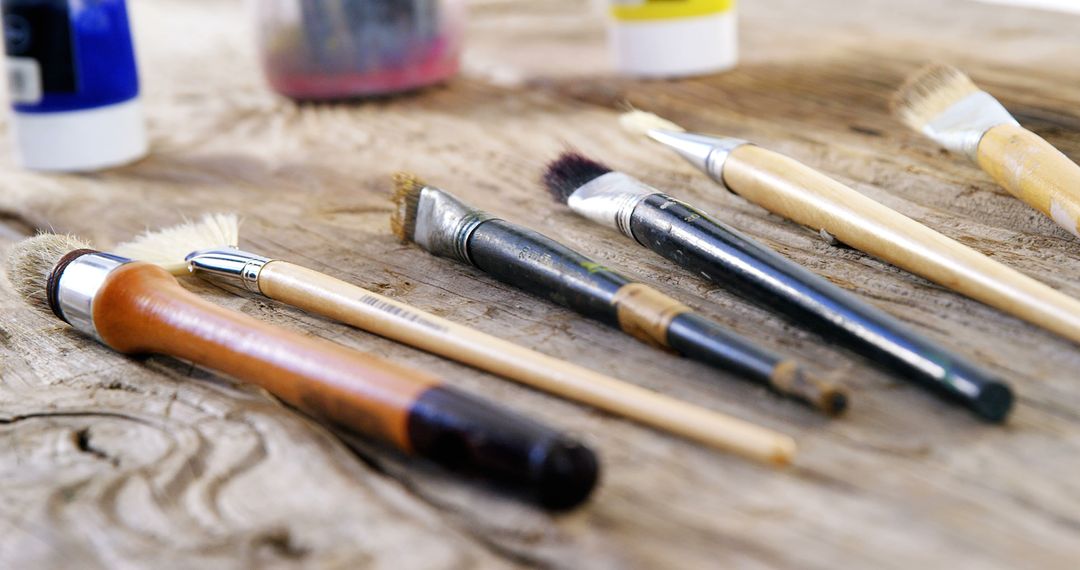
x,y
675,47
79,141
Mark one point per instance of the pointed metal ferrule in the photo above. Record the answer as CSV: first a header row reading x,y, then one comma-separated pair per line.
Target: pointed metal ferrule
x,y
229,263
444,224
708,153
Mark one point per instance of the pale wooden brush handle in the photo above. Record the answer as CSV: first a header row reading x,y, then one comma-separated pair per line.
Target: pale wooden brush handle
x,y
319,293
1034,171
793,190
142,309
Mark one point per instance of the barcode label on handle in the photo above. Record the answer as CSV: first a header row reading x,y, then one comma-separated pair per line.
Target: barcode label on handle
x,y
401,313
24,80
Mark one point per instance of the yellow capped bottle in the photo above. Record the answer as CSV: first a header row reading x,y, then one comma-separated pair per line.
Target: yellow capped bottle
x,y
673,38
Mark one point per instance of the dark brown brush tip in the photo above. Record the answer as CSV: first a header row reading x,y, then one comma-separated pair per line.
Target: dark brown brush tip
x,y
571,171
829,397
835,402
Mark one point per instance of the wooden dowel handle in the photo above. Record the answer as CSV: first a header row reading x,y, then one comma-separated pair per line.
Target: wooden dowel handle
x,y
793,190
319,293
1034,171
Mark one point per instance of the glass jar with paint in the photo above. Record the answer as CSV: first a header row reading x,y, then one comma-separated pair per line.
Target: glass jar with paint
x,y
73,84
338,49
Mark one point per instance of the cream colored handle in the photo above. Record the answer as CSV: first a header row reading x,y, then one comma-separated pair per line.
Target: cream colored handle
x,y
1034,171
793,190
319,293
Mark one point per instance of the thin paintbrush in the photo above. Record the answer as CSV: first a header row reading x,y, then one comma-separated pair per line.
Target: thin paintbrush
x,y
209,248
942,103
138,308
793,190
692,239
443,225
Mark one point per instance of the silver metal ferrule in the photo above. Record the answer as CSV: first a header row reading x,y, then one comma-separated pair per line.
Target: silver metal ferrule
x,y
229,263
444,224
610,199
707,152
79,284
961,127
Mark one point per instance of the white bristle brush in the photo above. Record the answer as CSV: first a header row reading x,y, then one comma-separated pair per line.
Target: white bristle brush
x,y
795,191
168,248
944,104
208,247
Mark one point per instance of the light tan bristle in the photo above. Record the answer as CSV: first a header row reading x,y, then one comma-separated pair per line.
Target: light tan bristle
x,y
32,260
928,92
168,247
641,122
407,188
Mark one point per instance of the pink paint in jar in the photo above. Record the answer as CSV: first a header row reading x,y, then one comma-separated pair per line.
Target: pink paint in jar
x,y
339,49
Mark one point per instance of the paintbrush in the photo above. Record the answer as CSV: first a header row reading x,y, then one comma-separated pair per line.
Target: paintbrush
x,y
795,191
138,308
944,104
208,248
706,247
444,226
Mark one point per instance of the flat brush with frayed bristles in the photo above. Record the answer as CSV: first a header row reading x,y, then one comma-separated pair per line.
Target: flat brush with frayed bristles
x,y
795,191
198,246
445,226
942,103
138,308
707,247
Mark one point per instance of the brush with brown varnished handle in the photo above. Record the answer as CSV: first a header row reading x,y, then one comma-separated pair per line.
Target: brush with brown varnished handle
x,y
135,307
797,192
208,248
942,103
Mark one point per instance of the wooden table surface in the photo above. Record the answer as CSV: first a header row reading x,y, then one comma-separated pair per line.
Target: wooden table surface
x,y
113,462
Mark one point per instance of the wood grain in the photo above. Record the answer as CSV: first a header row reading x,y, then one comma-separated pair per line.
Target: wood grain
x,y
115,462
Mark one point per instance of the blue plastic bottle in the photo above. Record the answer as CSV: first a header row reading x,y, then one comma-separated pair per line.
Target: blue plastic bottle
x,y
73,84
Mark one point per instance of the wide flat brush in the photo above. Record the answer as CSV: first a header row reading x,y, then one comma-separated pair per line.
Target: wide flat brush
x,y
208,248
942,103
795,191
692,239
138,308
443,225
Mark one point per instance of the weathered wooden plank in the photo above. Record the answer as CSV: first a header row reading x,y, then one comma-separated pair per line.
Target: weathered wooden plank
x,y
117,462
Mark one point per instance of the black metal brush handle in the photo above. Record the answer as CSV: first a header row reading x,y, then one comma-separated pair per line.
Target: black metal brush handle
x,y
535,263
707,247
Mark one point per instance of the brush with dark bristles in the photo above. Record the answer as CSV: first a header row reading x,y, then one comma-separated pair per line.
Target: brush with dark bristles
x,y
692,239
570,172
208,248
942,103
445,226
137,307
